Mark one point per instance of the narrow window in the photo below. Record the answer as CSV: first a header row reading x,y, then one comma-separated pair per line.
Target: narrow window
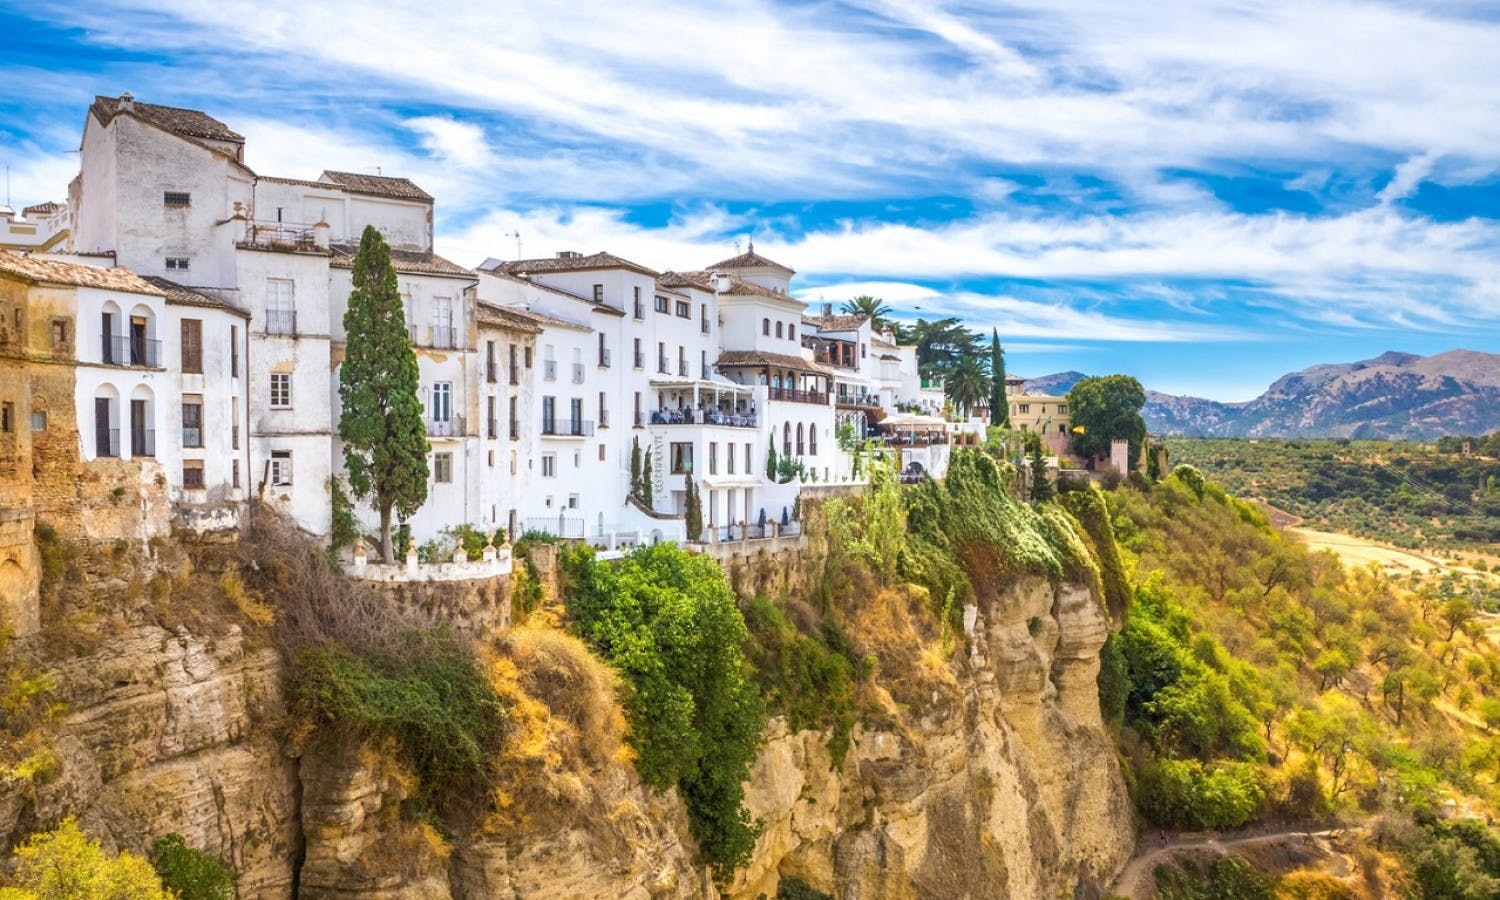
x,y
192,474
281,467
765,327
442,468
192,346
778,329
281,390
281,310
442,401
598,293
234,351
192,420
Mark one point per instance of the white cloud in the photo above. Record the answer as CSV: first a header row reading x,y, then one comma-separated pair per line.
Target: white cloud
x,y
462,143
1407,177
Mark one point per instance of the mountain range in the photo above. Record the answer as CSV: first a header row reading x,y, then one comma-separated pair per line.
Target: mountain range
x,y
1393,396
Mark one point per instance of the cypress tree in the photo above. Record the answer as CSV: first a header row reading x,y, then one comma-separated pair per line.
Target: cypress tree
x,y
648,486
999,406
694,512
635,467
771,460
385,441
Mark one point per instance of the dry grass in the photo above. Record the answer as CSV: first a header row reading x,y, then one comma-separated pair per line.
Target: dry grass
x,y
564,730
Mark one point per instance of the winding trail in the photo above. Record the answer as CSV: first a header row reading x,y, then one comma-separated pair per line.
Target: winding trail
x,y
1136,881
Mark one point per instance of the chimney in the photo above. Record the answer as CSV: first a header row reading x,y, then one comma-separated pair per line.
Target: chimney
x,y
827,309
568,254
320,235
127,101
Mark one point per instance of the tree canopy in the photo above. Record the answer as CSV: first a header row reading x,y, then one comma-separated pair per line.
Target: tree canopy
x,y
941,345
872,308
1109,409
967,384
999,406
385,440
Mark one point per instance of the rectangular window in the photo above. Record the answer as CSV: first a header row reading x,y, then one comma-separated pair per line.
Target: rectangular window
x,y
603,352
192,420
177,264
493,426
234,418
549,415
442,468
176,198
1025,407
7,418
662,305
281,390
681,457
713,457
549,465
234,351
234,470
749,465
640,358
598,293
704,315
60,334
39,421
443,333
528,357
442,401
515,421
281,467
489,362
515,369
684,310
603,412
731,459
192,346
192,474
640,309
281,309
575,410
639,419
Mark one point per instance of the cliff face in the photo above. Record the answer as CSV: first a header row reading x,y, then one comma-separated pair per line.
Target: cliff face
x,y
997,779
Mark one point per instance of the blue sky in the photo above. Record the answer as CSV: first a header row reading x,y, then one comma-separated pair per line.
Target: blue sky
x,y
1205,195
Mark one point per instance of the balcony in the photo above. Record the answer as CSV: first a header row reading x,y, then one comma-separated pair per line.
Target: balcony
x,y
282,321
705,325
124,350
792,395
640,360
567,428
280,236
446,428
444,337
603,359
640,310
143,442
864,401
703,417
491,371
664,366
578,373
549,369
682,367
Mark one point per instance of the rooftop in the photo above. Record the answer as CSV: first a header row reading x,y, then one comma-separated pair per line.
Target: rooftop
x,y
410,262
751,260
185,122
747,358
48,271
181,295
515,320
377,185
835,323
572,262
738,287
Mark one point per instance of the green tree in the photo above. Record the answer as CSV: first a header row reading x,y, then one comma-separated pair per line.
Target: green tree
x,y
1041,489
877,311
771,468
64,864
693,512
999,406
635,467
940,345
967,385
385,441
1109,409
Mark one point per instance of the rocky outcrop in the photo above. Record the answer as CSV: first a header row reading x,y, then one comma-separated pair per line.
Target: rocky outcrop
x,y
167,731
1016,793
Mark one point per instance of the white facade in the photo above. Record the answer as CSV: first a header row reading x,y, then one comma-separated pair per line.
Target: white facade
x,y
35,229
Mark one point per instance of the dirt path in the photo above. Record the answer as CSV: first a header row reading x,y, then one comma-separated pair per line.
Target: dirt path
x,y
1357,552
1136,881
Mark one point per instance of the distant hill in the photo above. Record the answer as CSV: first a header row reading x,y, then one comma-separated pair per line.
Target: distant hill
x,y
1393,396
1054,385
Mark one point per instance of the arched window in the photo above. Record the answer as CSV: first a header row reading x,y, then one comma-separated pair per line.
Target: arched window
x,y
812,439
142,434
801,449
106,421
786,439
765,327
778,329
791,330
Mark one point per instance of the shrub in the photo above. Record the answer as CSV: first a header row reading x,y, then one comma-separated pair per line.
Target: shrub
x,y
1225,878
797,889
666,619
432,699
193,874
1187,793
800,676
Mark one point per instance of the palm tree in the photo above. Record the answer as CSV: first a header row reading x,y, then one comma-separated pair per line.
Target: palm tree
x,y
876,310
968,384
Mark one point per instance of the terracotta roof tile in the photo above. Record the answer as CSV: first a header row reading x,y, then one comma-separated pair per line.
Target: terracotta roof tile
x,y
180,295
751,260
738,287
835,323
699,280
410,262
515,320
49,271
577,263
185,122
744,358
378,185
41,209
